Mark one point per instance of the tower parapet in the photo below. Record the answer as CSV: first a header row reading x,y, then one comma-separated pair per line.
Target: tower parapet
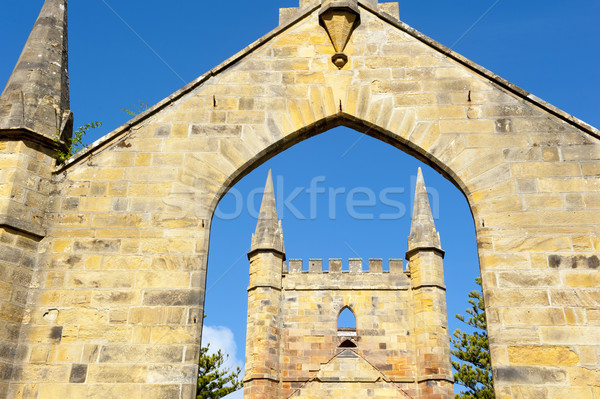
x,y
355,265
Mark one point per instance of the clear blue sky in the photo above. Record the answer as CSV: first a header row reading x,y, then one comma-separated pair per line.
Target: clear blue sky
x,y
549,48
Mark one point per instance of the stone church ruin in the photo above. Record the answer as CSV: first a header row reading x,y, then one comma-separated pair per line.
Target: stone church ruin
x,y
103,258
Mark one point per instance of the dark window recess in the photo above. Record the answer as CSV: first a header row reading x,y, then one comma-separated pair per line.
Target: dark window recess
x,y
347,344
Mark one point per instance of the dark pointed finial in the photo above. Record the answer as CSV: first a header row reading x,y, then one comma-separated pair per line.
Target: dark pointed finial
x,y
269,233
422,230
36,96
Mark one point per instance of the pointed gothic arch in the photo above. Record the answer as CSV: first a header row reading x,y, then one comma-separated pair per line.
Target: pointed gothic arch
x,y
346,319
122,229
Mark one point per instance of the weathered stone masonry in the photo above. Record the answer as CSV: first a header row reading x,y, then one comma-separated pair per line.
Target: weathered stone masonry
x,y
400,347
103,259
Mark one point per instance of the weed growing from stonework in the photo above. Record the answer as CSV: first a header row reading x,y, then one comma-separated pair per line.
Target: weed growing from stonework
x,y
214,381
75,143
474,368
137,108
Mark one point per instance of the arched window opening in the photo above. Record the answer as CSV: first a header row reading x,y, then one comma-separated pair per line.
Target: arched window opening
x,y
346,323
336,232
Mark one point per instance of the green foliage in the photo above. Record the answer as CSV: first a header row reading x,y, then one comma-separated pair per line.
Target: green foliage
x,y
75,143
137,108
213,381
474,368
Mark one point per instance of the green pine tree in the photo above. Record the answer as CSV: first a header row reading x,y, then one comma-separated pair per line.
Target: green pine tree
x,y
474,368
214,381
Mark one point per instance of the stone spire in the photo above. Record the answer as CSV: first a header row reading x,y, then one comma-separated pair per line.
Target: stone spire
x,y
269,233
36,97
422,230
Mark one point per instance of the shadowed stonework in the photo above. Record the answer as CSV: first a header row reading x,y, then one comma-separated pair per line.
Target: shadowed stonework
x,y
103,259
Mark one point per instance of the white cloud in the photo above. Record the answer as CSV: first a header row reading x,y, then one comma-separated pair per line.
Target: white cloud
x,y
221,337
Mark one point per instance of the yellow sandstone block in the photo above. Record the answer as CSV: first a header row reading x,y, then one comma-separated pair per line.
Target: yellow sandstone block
x,y
66,353
143,159
441,112
82,315
467,126
583,377
544,169
582,279
105,333
112,390
167,245
55,391
117,373
162,280
542,355
414,99
310,77
295,114
100,279
91,204
63,245
39,354
147,189
562,393
174,335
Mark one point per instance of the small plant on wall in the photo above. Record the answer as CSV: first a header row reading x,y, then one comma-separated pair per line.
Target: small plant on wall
x,y
75,143
136,109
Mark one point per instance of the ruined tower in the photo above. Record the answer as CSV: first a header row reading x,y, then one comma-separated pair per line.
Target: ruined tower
x,y
296,346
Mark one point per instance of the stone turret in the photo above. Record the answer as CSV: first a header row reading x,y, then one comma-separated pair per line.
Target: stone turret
x,y
269,234
35,101
422,229
34,112
425,254
267,257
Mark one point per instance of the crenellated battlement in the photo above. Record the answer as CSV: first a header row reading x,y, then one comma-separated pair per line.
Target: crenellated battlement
x,y
353,265
340,275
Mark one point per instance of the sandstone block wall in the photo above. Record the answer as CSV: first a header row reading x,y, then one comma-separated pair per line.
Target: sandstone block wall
x,y
381,302
349,376
114,301
25,173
